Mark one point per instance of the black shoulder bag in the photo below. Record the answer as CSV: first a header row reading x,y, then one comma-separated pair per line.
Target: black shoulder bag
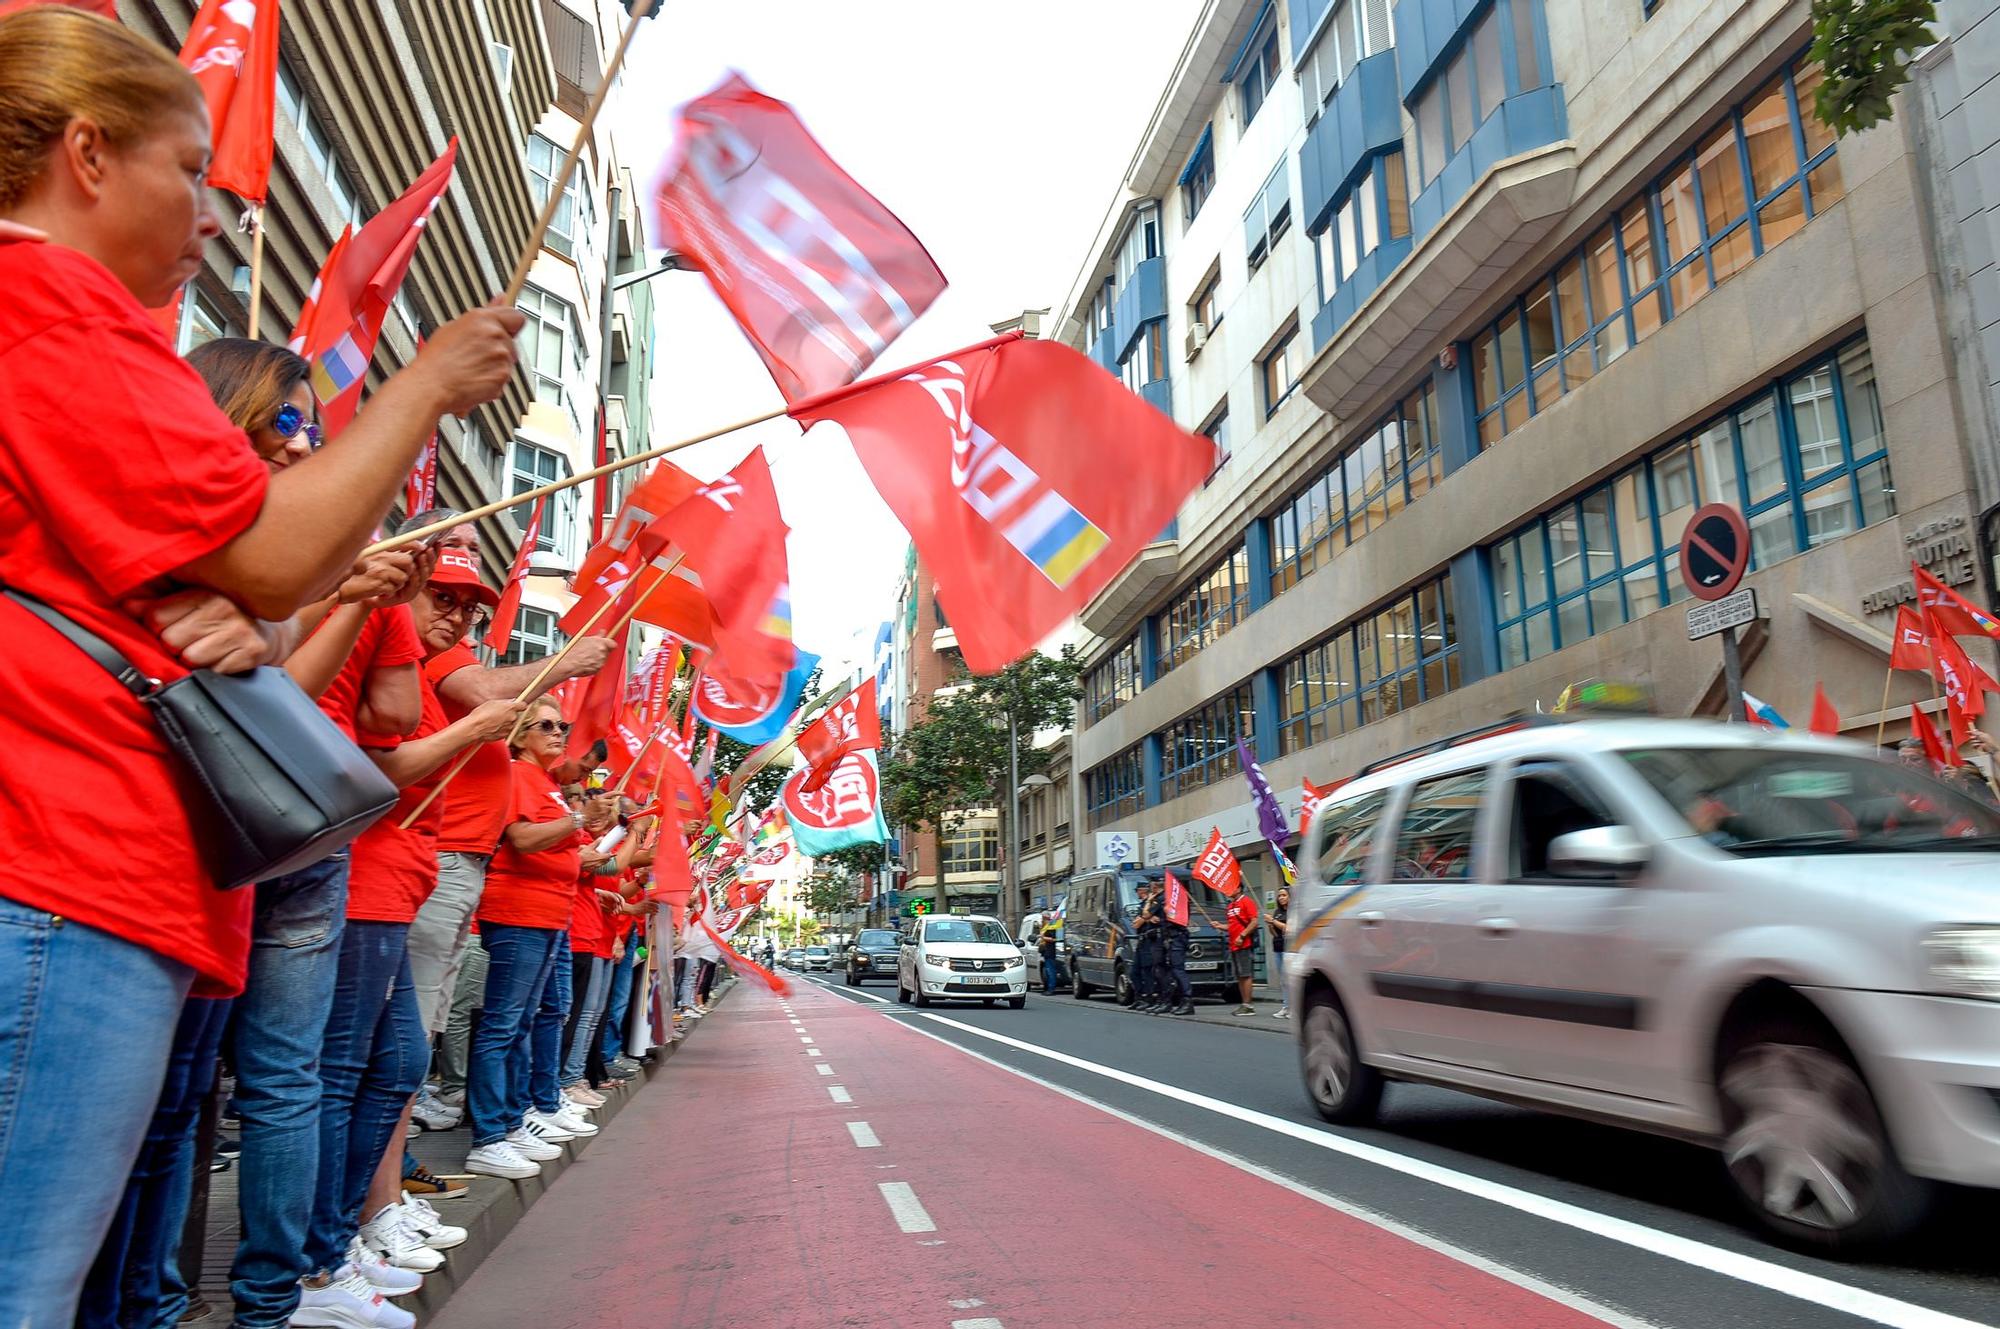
x,y
286,786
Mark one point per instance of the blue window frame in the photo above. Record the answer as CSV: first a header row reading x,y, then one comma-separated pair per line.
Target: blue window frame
x,y
1115,681
1754,179
1116,788
1804,459
1205,610
1376,210
1257,67
1387,661
1198,176
1200,748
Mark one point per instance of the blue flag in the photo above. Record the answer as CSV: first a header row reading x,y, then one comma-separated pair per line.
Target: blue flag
x,y
843,812
758,717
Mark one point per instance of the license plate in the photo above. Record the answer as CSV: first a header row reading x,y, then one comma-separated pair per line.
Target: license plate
x,y
1204,965
977,979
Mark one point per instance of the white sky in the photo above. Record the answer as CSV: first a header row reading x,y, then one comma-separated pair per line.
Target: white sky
x,y
997,132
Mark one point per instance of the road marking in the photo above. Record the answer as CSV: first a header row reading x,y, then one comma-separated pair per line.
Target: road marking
x,y
824,1069
966,1303
804,1039
813,1052
864,1135
1794,1283
902,1199
839,1093
983,1322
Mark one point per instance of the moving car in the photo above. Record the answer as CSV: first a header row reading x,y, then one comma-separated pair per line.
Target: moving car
x,y
795,958
1785,947
874,954
1100,943
818,960
960,958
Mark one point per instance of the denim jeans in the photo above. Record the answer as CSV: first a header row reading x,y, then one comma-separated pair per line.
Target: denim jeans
x,y
67,1144
551,1013
585,1013
136,1282
517,970
280,1023
1050,972
612,1040
371,1062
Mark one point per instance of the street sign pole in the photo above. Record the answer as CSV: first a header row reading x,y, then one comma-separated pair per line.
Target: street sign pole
x,y
1732,674
1715,551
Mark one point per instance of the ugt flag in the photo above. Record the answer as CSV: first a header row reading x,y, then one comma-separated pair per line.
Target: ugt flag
x,y
232,51
1270,816
818,273
849,725
751,711
845,811
1028,478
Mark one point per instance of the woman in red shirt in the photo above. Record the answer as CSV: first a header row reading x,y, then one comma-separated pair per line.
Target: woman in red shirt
x,y
120,481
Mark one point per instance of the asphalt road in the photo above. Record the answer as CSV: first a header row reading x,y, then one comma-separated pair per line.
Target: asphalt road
x,y
1638,1230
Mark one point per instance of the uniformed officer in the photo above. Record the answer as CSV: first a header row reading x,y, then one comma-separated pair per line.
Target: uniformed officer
x,y
1146,980
1176,993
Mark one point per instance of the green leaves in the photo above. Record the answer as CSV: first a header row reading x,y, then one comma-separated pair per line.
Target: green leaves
x,y
1864,47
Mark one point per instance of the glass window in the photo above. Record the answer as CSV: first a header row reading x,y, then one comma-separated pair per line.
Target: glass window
x,y
1260,70
1389,660
1458,99
1486,64
1112,683
1206,308
1434,842
1115,789
544,160
544,342
1346,837
536,637
1198,181
1205,611
1429,116
1200,748
1394,173
1282,366
1527,50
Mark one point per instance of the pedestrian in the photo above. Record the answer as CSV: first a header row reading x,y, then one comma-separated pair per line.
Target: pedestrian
x,y
1146,953
1176,993
1051,931
1241,922
1280,921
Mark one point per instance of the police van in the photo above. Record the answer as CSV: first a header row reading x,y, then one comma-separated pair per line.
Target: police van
x,y
1100,941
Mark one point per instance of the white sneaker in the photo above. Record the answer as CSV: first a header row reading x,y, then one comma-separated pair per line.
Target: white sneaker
x,y
532,1146
571,1120
501,1159
388,1280
397,1243
546,1126
434,1232
348,1303
432,1115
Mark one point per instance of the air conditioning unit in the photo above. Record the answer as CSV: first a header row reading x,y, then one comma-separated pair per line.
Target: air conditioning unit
x,y
1197,337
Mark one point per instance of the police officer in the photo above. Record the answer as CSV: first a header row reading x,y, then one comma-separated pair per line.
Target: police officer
x,y
1146,981
1176,993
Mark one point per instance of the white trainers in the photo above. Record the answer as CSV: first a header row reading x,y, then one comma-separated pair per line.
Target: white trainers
x,y
568,1119
545,1125
387,1279
532,1146
501,1159
392,1238
432,1115
350,1302
433,1231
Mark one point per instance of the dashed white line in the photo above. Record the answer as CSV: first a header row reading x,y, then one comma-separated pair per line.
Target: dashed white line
x,y
966,1303
804,1039
864,1135
839,1093
903,1206
824,1069
813,1052
983,1322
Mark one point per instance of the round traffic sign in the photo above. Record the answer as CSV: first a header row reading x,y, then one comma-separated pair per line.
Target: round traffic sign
x,y
1715,549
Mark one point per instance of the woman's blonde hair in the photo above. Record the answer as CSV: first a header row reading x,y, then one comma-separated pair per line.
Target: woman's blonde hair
x,y
520,739
58,63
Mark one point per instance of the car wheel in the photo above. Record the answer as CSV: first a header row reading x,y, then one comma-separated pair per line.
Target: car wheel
x,y
1017,1002
918,995
902,993
1342,1087
1804,1144
1121,986
1077,987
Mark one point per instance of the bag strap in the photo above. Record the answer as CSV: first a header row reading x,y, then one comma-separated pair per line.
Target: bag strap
x,y
129,675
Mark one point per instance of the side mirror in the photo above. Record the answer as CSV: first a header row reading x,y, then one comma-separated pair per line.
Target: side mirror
x,y
905,939
1602,853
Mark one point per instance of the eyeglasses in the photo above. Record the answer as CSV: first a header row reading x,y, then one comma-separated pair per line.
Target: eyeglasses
x,y
557,727
450,606
289,420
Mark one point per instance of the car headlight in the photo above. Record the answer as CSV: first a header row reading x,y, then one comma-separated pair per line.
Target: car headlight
x,y
1018,962
1965,961
937,961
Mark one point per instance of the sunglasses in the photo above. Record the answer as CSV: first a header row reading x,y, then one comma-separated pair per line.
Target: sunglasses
x,y
450,606
289,420
559,727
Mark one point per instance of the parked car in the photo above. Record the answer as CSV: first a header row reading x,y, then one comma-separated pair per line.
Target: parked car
x,y
960,958
819,959
1785,947
1031,950
795,959
1100,943
874,954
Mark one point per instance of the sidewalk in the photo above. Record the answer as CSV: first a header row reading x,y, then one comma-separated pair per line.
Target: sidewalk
x,y
1207,1012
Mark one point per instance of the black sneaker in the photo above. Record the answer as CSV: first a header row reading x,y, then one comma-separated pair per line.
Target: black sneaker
x,y
228,1146
1185,1008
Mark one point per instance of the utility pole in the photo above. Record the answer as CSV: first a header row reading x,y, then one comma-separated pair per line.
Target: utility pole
x,y
1008,916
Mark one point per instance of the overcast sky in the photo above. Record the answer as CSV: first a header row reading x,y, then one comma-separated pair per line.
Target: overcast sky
x,y
998,133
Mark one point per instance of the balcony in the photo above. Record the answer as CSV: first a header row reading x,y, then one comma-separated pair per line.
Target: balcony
x,y
1426,31
1142,580
1369,273
1520,124
1159,394
1365,117
1143,300
1103,349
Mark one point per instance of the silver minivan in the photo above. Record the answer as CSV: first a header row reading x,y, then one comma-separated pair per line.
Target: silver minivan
x,y
1784,946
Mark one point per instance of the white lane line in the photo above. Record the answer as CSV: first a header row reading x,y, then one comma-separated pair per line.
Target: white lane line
x,y
864,1135
804,1039
965,1303
813,1052
983,1322
839,1094
824,1069
1794,1283
909,1215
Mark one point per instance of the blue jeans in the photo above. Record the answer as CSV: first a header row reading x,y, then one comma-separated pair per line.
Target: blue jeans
x,y
66,1146
1051,972
136,1282
588,1009
517,970
280,1023
612,1040
373,1059
551,1014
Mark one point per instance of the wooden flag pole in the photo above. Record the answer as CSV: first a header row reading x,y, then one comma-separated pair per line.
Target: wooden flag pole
x,y
256,267
639,10
639,756
1882,716
781,745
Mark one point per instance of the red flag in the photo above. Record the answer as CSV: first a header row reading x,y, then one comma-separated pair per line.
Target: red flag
x,y
1911,646
820,276
1934,748
602,696
1951,611
1962,681
101,8
501,630
613,563
849,725
232,51
1028,478
1825,720
1217,868
1176,901
745,968
343,313
1311,796
733,534
672,879
420,488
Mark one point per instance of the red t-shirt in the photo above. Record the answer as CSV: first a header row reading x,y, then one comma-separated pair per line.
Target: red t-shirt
x,y
476,800
116,469
389,638
533,890
1242,920
586,916
393,870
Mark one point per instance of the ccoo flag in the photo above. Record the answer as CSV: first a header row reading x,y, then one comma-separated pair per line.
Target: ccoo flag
x,y
1028,478
232,51
818,273
1217,868
845,811
851,724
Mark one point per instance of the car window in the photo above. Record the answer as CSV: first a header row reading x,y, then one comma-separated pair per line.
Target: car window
x,y
876,937
816,950
966,929
1347,837
1435,840
1549,799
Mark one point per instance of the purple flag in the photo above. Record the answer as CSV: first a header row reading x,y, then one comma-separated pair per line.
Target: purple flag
x,y
1271,823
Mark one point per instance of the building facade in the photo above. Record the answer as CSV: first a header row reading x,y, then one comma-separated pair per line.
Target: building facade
x,y
1482,300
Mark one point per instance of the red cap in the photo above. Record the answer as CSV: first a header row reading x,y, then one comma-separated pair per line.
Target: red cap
x,y
458,570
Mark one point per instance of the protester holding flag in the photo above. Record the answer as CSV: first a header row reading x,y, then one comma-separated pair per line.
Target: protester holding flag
x,y
1279,922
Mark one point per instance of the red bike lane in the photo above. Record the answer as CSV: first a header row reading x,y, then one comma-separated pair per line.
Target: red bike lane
x,y
819,1166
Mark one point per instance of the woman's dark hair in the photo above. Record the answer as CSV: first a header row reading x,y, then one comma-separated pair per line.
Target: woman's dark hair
x,y
248,379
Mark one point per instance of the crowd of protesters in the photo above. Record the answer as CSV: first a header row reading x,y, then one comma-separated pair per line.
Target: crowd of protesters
x,y
184,511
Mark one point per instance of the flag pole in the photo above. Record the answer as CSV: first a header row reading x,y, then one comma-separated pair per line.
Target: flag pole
x,y
639,10
1882,715
639,756
653,454
779,746
256,267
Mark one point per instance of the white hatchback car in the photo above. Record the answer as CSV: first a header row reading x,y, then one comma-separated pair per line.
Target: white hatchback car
x,y
961,958
1787,947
